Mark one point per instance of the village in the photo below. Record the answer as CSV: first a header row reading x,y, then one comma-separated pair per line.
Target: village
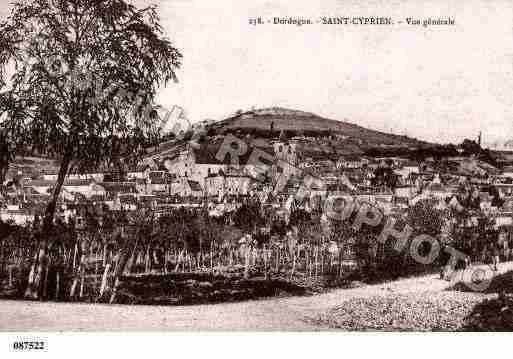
x,y
155,174
187,176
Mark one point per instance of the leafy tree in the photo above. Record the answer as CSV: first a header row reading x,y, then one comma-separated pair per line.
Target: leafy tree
x,y
425,218
85,72
7,153
470,147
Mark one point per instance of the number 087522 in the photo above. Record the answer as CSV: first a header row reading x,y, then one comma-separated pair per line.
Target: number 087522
x,y
28,345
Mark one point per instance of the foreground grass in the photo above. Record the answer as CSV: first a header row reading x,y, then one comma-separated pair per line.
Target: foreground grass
x,y
454,309
420,312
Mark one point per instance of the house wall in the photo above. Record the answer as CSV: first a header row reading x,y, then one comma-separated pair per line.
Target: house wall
x,y
214,185
98,177
19,218
41,189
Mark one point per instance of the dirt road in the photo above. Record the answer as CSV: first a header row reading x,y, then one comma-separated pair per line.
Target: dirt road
x,y
295,313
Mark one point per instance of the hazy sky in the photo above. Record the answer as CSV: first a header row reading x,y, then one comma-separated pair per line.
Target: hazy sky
x,y
440,83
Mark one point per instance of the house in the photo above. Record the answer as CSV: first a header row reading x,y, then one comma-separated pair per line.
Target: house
x,y
185,187
215,185
155,182
352,162
147,201
98,177
503,219
159,181
196,163
404,192
125,202
508,204
471,166
139,172
233,183
392,162
285,150
31,193
85,187
505,190
17,216
407,171
112,189
507,172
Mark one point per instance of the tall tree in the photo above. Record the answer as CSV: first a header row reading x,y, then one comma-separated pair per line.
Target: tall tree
x,y
85,72
7,145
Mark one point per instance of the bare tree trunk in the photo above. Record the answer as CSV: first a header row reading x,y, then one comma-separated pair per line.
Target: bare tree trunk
x,y
120,267
308,262
32,272
82,277
2,256
211,259
105,278
178,261
266,270
246,262
10,277
104,259
133,257
33,289
96,268
340,256
36,275
166,254
322,261
316,260
147,259
277,259
293,264
75,252
79,272
57,285
45,281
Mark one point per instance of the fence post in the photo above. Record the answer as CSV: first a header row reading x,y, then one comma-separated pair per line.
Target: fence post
x,y
2,262
316,251
104,280
10,276
57,285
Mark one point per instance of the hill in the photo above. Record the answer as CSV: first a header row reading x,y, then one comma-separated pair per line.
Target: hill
x,y
295,123
317,137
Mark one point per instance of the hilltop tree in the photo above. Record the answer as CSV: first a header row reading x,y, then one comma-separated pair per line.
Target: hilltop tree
x,y
85,72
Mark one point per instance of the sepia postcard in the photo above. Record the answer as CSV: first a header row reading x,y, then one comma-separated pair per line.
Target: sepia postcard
x,y
185,165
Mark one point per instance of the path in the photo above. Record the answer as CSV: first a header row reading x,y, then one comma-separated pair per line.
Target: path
x,y
272,314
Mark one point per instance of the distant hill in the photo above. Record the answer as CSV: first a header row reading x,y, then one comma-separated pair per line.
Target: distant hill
x,y
297,122
317,137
